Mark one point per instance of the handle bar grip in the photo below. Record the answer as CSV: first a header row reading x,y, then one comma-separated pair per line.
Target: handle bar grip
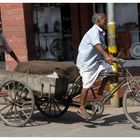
x,y
118,60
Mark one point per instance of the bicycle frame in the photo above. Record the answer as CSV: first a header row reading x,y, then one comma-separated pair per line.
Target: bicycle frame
x,y
77,85
98,102
123,82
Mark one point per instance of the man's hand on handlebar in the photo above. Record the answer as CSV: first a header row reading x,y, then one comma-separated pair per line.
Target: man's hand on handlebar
x,y
109,59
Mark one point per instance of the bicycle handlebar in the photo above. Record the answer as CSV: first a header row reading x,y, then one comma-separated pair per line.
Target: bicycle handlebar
x,y
118,60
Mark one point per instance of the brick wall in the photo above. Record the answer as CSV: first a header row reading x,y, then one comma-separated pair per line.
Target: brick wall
x,y
14,28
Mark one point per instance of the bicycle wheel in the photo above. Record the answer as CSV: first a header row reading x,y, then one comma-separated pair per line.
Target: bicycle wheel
x,y
16,103
131,103
51,107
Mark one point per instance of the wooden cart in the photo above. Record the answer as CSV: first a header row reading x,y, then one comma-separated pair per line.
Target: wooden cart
x,y
20,92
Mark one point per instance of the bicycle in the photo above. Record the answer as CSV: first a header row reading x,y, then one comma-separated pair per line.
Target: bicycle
x,y
131,97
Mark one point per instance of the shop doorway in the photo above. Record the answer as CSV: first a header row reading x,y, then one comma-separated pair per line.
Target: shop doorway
x,y
2,57
53,38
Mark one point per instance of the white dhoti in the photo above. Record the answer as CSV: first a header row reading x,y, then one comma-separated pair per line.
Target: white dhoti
x,y
89,76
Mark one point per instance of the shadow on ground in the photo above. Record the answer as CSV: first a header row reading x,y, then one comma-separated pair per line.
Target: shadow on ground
x,y
71,117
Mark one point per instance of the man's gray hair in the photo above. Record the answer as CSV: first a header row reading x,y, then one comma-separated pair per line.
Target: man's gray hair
x,y
95,18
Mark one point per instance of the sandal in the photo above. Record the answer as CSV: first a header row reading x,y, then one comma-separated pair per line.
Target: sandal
x,y
84,115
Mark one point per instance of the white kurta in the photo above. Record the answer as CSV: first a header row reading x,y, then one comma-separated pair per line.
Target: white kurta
x,y
89,61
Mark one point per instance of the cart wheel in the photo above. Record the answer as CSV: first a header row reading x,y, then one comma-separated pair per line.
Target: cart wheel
x,y
16,103
52,107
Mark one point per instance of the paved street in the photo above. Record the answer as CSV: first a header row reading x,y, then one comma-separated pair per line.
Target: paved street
x,y
112,124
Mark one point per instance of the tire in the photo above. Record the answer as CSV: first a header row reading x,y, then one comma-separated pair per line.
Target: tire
x,y
131,103
16,103
51,107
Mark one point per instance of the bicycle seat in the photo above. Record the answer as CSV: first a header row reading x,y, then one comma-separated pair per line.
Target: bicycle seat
x,y
103,73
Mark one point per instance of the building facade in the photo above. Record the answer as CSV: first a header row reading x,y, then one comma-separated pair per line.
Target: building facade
x,y
53,31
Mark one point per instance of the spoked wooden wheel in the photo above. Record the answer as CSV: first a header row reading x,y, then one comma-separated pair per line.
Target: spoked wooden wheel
x,y
131,103
16,103
52,107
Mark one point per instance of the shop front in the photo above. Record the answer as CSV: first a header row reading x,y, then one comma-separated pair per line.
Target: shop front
x,y
48,31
